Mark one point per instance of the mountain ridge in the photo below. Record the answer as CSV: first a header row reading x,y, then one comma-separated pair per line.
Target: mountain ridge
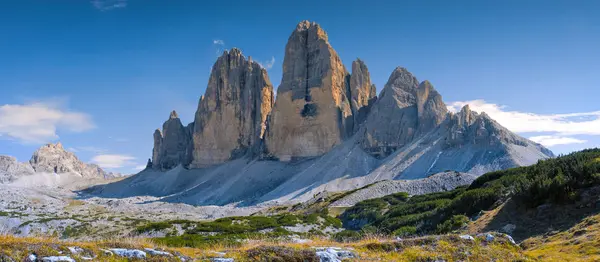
x,y
326,130
50,158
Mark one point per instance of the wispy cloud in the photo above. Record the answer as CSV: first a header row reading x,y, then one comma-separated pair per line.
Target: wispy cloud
x,y
89,149
38,122
139,167
107,5
220,45
267,64
558,129
113,160
556,140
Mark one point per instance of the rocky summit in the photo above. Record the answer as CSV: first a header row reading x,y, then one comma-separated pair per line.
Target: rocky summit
x,y
312,113
50,159
230,121
327,130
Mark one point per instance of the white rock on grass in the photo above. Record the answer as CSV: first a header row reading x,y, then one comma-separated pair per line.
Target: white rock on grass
x,y
129,253
220,259
32,257
489,237
467,237
154,252
333,254
58,259
75,250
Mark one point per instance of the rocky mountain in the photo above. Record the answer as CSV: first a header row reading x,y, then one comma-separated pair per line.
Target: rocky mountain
x,y
230,121
327,130
50,159
312,113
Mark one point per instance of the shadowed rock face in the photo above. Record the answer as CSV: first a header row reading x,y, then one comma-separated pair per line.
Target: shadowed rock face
x,y
393,120
404,111
363,93
312,113
232,114
172,145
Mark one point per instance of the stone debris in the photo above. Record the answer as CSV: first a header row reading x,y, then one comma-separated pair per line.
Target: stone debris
x,y
58,259
128,253
333,254
467,237
154,252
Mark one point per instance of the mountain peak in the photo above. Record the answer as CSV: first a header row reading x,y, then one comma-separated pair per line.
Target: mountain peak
x,y
173,115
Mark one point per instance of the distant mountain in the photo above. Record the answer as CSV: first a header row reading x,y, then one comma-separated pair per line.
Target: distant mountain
x,y
325,131
50,159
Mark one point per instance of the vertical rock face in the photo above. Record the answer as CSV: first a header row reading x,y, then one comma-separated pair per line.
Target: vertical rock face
x,y
431,109
393,119
232,114
363,93
171,146
404,110
312,113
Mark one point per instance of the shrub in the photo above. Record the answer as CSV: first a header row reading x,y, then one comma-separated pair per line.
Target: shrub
x,y
405,231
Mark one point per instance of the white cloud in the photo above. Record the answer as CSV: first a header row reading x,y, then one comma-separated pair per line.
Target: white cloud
x,y
139,168
220,46
559,126
90,149
113,160
268,64
556,140
107,5
38,122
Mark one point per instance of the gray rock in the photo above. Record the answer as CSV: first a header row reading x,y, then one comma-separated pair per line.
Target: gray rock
x,y
172,146
11,169
393,121
363,93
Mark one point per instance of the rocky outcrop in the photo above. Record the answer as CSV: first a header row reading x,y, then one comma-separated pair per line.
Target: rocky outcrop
x,y
431,109
404,110
470,128
312,113
393,120
172,146
53,158
11,169
363,93
232,114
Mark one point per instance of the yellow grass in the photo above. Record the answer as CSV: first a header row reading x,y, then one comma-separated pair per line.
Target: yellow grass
x,y
580,243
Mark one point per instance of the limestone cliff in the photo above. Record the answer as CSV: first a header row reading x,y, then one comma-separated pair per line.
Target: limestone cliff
x,y
312,113
172,146
232,114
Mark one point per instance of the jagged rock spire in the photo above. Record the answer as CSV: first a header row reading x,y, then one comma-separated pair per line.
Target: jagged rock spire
x,y
232,114
312,113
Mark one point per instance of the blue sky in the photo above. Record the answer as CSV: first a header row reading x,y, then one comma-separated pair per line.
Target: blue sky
x,y
101,75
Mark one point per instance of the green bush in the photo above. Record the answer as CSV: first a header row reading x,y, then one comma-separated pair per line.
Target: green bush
x,y
454,223
405,231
